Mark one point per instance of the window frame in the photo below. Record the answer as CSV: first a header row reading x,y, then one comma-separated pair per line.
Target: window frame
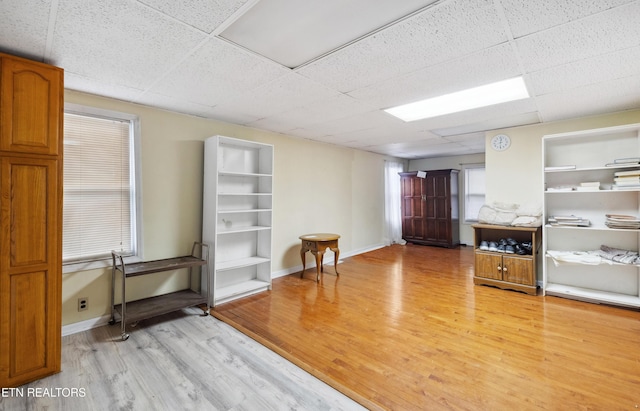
x,y
134,155
467,167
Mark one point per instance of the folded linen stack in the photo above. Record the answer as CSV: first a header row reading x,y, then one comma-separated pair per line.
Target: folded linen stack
x,y
622,221
569,220
626,180
528,215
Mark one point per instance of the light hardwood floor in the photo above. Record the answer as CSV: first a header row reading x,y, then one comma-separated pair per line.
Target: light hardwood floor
x,y
404,328
180,361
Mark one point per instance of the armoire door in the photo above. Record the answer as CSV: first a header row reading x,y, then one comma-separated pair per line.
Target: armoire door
x,y
438,204
30,269
413,207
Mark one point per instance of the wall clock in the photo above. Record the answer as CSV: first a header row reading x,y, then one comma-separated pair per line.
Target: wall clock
x,y
500,142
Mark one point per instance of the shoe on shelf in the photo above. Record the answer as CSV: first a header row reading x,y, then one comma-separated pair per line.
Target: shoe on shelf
x,y
527,247
509,249
511,241
502,248
502,241
519,250
493,246
484,246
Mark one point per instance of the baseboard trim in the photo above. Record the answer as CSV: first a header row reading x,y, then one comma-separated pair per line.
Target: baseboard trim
x,y
328,259
85,325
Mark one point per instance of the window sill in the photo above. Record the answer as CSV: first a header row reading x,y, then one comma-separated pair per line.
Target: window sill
x,y
95,265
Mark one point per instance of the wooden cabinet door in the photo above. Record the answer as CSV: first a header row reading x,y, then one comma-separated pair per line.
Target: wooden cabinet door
x,y
518,270
30,269
438,208
413,208
31,99
488,265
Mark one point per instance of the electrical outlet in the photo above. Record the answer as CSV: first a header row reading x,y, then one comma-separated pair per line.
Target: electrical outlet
x,y
83,303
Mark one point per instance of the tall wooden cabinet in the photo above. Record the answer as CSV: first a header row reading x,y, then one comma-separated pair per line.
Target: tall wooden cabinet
x,y
31,103
430,207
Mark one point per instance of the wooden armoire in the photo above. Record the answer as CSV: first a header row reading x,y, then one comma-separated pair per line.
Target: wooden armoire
x,y
31,141
430,207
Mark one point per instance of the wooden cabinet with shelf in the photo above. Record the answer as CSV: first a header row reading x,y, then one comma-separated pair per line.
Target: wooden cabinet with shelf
x,y
237,216
570,160
430,207
31,101
508,271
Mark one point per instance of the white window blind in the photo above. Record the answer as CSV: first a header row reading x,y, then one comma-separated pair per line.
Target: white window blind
x,y
474,195
99,187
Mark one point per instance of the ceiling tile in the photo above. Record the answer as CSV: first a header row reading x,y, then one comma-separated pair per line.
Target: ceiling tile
x,y
172,103
283,94
604,67
119,41
318,112
606,97
526,17
490,123
578,58
24,27
616,29
215,72
85,84
484,67
444,32
205,15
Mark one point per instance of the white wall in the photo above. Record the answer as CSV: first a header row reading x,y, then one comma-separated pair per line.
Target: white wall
x,y
317,187
455,162
515,175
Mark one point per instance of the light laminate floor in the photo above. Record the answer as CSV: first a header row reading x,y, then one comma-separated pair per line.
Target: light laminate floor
x,y
181,361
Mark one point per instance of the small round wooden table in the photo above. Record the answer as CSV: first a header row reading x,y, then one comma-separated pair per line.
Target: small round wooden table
x,y
318,243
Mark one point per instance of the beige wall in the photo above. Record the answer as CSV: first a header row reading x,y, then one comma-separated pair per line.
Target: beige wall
x,y
515,175
317,187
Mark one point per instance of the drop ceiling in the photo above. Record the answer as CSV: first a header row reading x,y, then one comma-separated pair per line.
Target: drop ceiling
x,y
578,58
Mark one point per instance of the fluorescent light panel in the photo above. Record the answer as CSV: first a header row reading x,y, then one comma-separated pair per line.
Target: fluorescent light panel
x,y
482,96
294,32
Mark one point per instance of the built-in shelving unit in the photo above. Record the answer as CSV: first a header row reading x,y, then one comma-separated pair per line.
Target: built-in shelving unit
x,y
237,216
579,172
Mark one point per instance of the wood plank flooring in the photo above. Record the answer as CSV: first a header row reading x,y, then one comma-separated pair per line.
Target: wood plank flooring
x,y
404,328
180,361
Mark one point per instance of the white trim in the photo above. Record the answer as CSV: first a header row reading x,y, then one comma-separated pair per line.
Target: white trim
x,y
85,325
328,259
137,244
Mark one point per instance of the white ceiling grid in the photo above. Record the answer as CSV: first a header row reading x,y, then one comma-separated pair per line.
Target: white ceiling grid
x,y
578,58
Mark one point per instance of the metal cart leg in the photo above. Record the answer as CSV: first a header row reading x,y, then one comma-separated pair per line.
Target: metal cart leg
x,y
125,336
204,254
113,290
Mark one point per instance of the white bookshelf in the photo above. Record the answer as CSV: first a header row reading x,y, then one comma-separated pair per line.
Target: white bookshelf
x,y
570,159
237,216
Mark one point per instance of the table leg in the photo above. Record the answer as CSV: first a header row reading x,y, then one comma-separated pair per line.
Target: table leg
x,y
336,255
303,256
319,255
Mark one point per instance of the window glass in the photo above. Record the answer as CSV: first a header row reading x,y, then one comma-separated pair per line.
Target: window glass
x,y
99,185
474,195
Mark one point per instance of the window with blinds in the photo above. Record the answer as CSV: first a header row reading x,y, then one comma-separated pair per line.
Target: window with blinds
x,y
99,186
474,194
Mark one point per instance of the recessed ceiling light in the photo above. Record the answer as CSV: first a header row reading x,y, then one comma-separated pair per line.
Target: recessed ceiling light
x,y
482,96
